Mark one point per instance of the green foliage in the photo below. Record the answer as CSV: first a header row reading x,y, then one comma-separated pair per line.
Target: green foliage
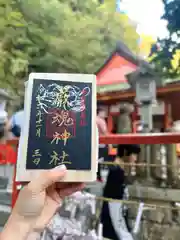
x,y
167,58
58,36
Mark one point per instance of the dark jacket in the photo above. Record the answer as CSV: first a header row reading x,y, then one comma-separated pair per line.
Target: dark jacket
x,y
114,188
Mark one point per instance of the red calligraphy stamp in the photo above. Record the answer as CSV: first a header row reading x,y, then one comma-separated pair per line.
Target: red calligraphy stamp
x,y
59,121
83,113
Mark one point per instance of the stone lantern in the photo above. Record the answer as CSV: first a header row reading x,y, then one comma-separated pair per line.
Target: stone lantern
x,y
144,82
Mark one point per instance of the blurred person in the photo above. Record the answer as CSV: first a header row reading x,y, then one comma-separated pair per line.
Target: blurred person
x,y
123,125
16,121
37,203
114,215
8,155
102,130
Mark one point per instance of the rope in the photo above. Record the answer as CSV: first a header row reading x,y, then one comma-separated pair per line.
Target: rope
x,y
140,164
130,202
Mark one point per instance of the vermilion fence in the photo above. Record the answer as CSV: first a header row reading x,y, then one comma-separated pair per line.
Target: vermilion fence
x,y
5,160
148,138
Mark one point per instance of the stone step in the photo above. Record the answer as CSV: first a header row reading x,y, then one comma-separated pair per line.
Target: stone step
x,y
154,194
95,188
3,182
5,206
4,214
5,198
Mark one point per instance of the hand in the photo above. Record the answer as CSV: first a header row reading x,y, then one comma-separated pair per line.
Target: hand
x,y
38,201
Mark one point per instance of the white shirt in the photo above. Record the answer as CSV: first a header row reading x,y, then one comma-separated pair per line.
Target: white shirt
x,y
17,119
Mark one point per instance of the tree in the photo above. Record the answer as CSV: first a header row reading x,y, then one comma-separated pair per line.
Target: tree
x,y
167,57
58,36
146,42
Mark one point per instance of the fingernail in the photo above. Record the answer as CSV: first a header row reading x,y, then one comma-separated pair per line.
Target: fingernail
x,y
61,167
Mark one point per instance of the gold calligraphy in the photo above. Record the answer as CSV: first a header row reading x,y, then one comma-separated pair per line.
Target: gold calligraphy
x,y
65,136
61,98
61,136
36,156
38,116
38,122
57,159
62,119
56,138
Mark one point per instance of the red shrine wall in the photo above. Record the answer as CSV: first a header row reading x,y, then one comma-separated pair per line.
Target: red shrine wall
x,y
114,71
164,118
174,100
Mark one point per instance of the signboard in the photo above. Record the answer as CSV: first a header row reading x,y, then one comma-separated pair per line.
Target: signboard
x,y
60,115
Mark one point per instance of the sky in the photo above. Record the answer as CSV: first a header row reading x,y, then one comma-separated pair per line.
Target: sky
x,y
147,14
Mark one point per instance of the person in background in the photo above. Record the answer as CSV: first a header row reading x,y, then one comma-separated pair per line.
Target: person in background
x,y
114,215
7,153
124,126
16,121
102,130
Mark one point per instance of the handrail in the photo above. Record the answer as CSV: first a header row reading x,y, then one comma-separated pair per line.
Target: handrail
x,y
142,138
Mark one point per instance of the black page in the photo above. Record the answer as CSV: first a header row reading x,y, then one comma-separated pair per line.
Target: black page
x,y
60,125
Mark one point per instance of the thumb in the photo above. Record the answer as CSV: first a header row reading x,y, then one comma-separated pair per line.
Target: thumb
x,y
46,178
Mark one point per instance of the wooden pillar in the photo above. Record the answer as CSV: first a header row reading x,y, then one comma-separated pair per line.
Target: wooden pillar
x,y
109,121
154,160
134,118
158,156
166,118
167,115
148,161
156,172
140,171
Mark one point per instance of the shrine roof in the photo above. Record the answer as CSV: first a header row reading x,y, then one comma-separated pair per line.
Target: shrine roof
x,y
123,51
111,76
163,91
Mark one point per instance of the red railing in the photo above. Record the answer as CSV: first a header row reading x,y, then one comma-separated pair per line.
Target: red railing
x,y
14,143
148,138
